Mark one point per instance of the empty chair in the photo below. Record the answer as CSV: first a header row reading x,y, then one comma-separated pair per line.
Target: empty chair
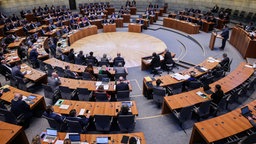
x,y
50,69
53,123
174,89
13,81
126,123
242,14
158,95
157,71
75,126
235,14
184,114
11,118
169,67
101,97
203,110
66,93
123,95
23,85
83,94
250,139
102,122
194,85
41,66
249,16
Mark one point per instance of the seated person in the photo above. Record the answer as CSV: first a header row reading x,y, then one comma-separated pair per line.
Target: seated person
x,y
18,107
251,120
104,70
71,56
224,63
124,110
89,69
187,84
16,71
69,73
118,59
104,58
155,62
92,59
168,59
54,81
104,21
50,114
33,56
81,56
120,69
100,89
122,85
82,120
217,95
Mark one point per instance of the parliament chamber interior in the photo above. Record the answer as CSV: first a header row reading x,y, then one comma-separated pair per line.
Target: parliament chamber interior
x,y
129,71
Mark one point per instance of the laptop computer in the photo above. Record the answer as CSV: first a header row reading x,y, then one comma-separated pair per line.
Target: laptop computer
x,y
51,135
74,138
105,81
245,111
102,140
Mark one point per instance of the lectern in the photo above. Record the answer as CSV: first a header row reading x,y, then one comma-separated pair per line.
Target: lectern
x,y
212,40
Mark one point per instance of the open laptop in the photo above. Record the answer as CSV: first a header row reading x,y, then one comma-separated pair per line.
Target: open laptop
x,y
102,140
51,135
74,138
245,111
105,81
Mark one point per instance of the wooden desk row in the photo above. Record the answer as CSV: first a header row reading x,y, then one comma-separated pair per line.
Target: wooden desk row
x,y
241,40
38,102
221,127
90,85
10,133
78,34
95,108
34,74
73,67
228,83
183,26
109,27
113,138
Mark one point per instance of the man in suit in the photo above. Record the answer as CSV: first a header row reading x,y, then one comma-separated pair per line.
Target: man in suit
x,y
54,81
16,71
33,57
71,56
155,62
224,63
118,59
225,35
104,21
82,120
122,85
18,107
217,95
50,114
92,58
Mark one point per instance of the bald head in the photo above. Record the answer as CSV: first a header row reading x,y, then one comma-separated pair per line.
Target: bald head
x,y
17,96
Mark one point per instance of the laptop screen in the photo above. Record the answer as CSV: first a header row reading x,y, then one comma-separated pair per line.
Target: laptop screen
x,y
128,103
74,137
105,80
245,110
51,132
102,140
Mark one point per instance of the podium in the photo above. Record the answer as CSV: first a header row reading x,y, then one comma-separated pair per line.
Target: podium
x,y
212,40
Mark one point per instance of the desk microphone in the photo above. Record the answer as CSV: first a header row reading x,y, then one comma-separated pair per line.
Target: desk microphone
x,y
111,104
136,136
89,104
7,129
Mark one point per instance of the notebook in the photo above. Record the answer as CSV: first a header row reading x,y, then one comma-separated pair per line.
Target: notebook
x,y
102,140
51,135
245,111
74,138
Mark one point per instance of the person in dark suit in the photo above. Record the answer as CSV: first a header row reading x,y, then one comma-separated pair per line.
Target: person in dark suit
x,y
168,58
155,62
92,58
104,70
16,71
119,59
217,95
82,120
50,114
18,107
54,81
104,21
122,85
33,57
124,110
225,35
133,3
71,56
224,63
81,56
69,73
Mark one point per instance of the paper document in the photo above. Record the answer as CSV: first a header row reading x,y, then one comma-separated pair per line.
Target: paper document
x,y
64,106
81,112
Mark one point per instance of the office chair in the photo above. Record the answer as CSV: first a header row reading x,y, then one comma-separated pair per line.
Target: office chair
x,y
183,115
101,97
102,122
41,66
11,118
75,126
126,123
54,124
83,94
123,95
157,71
158,95
86,76
60,71
66,93
203,110
26,86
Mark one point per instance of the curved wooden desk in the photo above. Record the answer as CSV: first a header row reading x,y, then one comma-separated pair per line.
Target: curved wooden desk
x,y
221,127
228,83
90,85
16,43
81,33
113,138
183,26
167,80
34,74
95,108
241,40
10,133
41,44
74,67
38,102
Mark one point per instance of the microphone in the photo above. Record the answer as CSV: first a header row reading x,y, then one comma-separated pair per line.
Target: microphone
x,y
89,104
7,129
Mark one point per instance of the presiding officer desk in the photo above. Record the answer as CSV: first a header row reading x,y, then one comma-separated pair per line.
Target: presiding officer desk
x,y
10,133
113,138
75,35
221,127
74,67
38,103
183,26
167,80
228,83
241,40
90,85
95,108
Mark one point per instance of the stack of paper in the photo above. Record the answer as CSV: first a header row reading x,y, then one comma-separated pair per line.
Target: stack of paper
x,y
179,77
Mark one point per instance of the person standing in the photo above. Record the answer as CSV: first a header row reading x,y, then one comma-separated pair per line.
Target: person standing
x,y
224,35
